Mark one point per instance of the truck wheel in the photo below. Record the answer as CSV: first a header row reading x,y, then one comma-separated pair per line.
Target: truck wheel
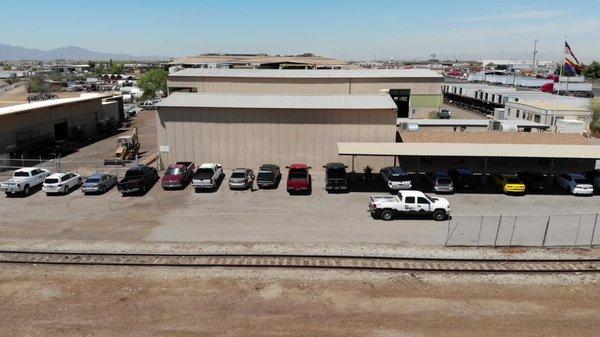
x,y
387,215
26,190
439,215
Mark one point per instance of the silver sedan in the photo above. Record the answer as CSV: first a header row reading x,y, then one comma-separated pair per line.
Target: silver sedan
x,y
98,183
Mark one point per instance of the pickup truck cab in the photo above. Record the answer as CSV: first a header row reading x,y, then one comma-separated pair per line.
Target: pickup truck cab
x,y
299,179
23,180
61,183
336,179
178,175
207,176
138,179
387,207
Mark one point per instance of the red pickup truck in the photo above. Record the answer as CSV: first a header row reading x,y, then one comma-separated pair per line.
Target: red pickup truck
x,y
178,175
298,180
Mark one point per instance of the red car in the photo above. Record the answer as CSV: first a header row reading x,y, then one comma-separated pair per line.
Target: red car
x,y
298,179
178,175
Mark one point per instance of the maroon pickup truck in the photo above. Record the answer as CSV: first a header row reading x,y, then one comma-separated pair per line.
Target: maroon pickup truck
x,y
178,175
299,179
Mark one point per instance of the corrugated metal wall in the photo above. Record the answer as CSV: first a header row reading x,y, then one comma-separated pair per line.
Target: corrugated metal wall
x,y
251,137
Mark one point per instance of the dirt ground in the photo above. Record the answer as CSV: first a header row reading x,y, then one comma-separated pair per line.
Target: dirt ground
x,y
125,301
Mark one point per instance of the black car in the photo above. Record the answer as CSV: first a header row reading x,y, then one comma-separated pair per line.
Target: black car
x,y
268,176
535,181
138,179
462,178
59,149
336,179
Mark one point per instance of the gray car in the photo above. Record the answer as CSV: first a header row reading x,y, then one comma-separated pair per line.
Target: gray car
x,y
98,183
241,178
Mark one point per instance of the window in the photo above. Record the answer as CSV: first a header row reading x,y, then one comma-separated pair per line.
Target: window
x,y
537,118
410,200
423,201
518,113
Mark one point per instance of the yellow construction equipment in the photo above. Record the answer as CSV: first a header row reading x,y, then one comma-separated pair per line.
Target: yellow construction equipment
x,y
128,146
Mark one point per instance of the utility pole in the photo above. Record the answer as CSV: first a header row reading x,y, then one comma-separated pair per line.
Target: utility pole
x,y
535,51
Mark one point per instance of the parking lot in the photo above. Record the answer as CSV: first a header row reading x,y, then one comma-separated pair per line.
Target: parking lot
x,y
253,216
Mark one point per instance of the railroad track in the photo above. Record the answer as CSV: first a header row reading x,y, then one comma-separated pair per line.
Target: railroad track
x,y
304,261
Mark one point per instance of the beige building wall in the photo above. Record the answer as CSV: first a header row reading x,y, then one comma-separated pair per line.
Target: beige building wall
x,y
41,122
251,137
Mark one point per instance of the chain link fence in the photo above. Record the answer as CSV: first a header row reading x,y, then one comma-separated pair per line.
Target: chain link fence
x,y
556,230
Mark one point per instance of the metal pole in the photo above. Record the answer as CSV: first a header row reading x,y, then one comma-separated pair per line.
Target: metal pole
x,y
22,161
513,231
497,231
578,228
479,235
594,231
546,231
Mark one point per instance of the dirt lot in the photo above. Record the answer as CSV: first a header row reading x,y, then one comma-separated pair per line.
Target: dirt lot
x,y
122,301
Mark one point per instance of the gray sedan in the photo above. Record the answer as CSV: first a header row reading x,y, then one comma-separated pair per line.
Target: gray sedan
x,y
241,178
98,183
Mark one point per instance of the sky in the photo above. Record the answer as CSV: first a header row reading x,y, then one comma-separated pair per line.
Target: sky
x,y
350,30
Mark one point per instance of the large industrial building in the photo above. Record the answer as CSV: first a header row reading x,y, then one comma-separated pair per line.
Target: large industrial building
x,y
247,130
415,91
28,125
260,61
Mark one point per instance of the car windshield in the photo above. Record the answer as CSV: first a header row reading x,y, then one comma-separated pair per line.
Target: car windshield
x,y
51,181
297,175
400,178
92,180
513,181
444,181
581,181
203,173
336,173
133,173
174,171
21,174
265,176
238,175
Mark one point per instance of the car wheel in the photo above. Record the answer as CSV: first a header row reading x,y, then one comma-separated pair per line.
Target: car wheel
x,y
143,189
65,189
79,182
102,189
387,215
26,190
439,215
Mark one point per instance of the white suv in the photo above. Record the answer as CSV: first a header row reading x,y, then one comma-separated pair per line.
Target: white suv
x,y
575,184
61,183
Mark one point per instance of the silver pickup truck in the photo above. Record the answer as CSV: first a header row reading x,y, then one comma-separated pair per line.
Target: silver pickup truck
x,y
23,180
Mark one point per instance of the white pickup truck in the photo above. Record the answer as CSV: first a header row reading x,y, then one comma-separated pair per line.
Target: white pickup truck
x,y
207,176
387,207
23,180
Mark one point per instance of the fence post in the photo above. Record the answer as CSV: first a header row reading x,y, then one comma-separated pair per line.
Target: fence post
x,y
594,231
546,231
578,228
512,232
479,234
497,231
22,161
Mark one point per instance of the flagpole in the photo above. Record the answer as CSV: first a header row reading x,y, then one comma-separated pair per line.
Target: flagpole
x,y
561,64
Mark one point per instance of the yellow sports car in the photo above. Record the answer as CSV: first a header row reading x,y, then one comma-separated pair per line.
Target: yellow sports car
x,y
509,183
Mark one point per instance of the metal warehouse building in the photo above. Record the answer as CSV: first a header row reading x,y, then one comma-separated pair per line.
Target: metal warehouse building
x,y
247,130
416,92
25,125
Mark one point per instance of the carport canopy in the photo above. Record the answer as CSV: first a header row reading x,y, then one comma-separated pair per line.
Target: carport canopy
x,y
471,150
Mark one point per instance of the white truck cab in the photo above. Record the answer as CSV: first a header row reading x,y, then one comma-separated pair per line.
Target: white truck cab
x,y
207,176
387,207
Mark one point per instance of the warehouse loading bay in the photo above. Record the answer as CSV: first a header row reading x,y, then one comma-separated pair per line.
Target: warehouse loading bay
x,y
259,215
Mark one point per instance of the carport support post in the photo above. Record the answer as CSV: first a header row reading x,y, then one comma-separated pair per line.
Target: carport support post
x,y
353,157
594,231
497,231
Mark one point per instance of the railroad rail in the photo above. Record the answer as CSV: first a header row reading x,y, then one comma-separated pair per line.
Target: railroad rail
x,y
306,261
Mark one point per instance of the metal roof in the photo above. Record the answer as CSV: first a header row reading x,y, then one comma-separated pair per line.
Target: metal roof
x,y
471,150
14,109
248,101
295,73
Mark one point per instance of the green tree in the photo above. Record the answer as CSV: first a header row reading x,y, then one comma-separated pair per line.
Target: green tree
x,y
116,68
595,120
36,85
153,82
592,70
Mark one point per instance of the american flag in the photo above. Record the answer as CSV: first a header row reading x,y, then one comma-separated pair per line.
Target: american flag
x,y
571,67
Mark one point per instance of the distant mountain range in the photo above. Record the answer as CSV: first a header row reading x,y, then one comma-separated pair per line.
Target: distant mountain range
x,y
13,53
